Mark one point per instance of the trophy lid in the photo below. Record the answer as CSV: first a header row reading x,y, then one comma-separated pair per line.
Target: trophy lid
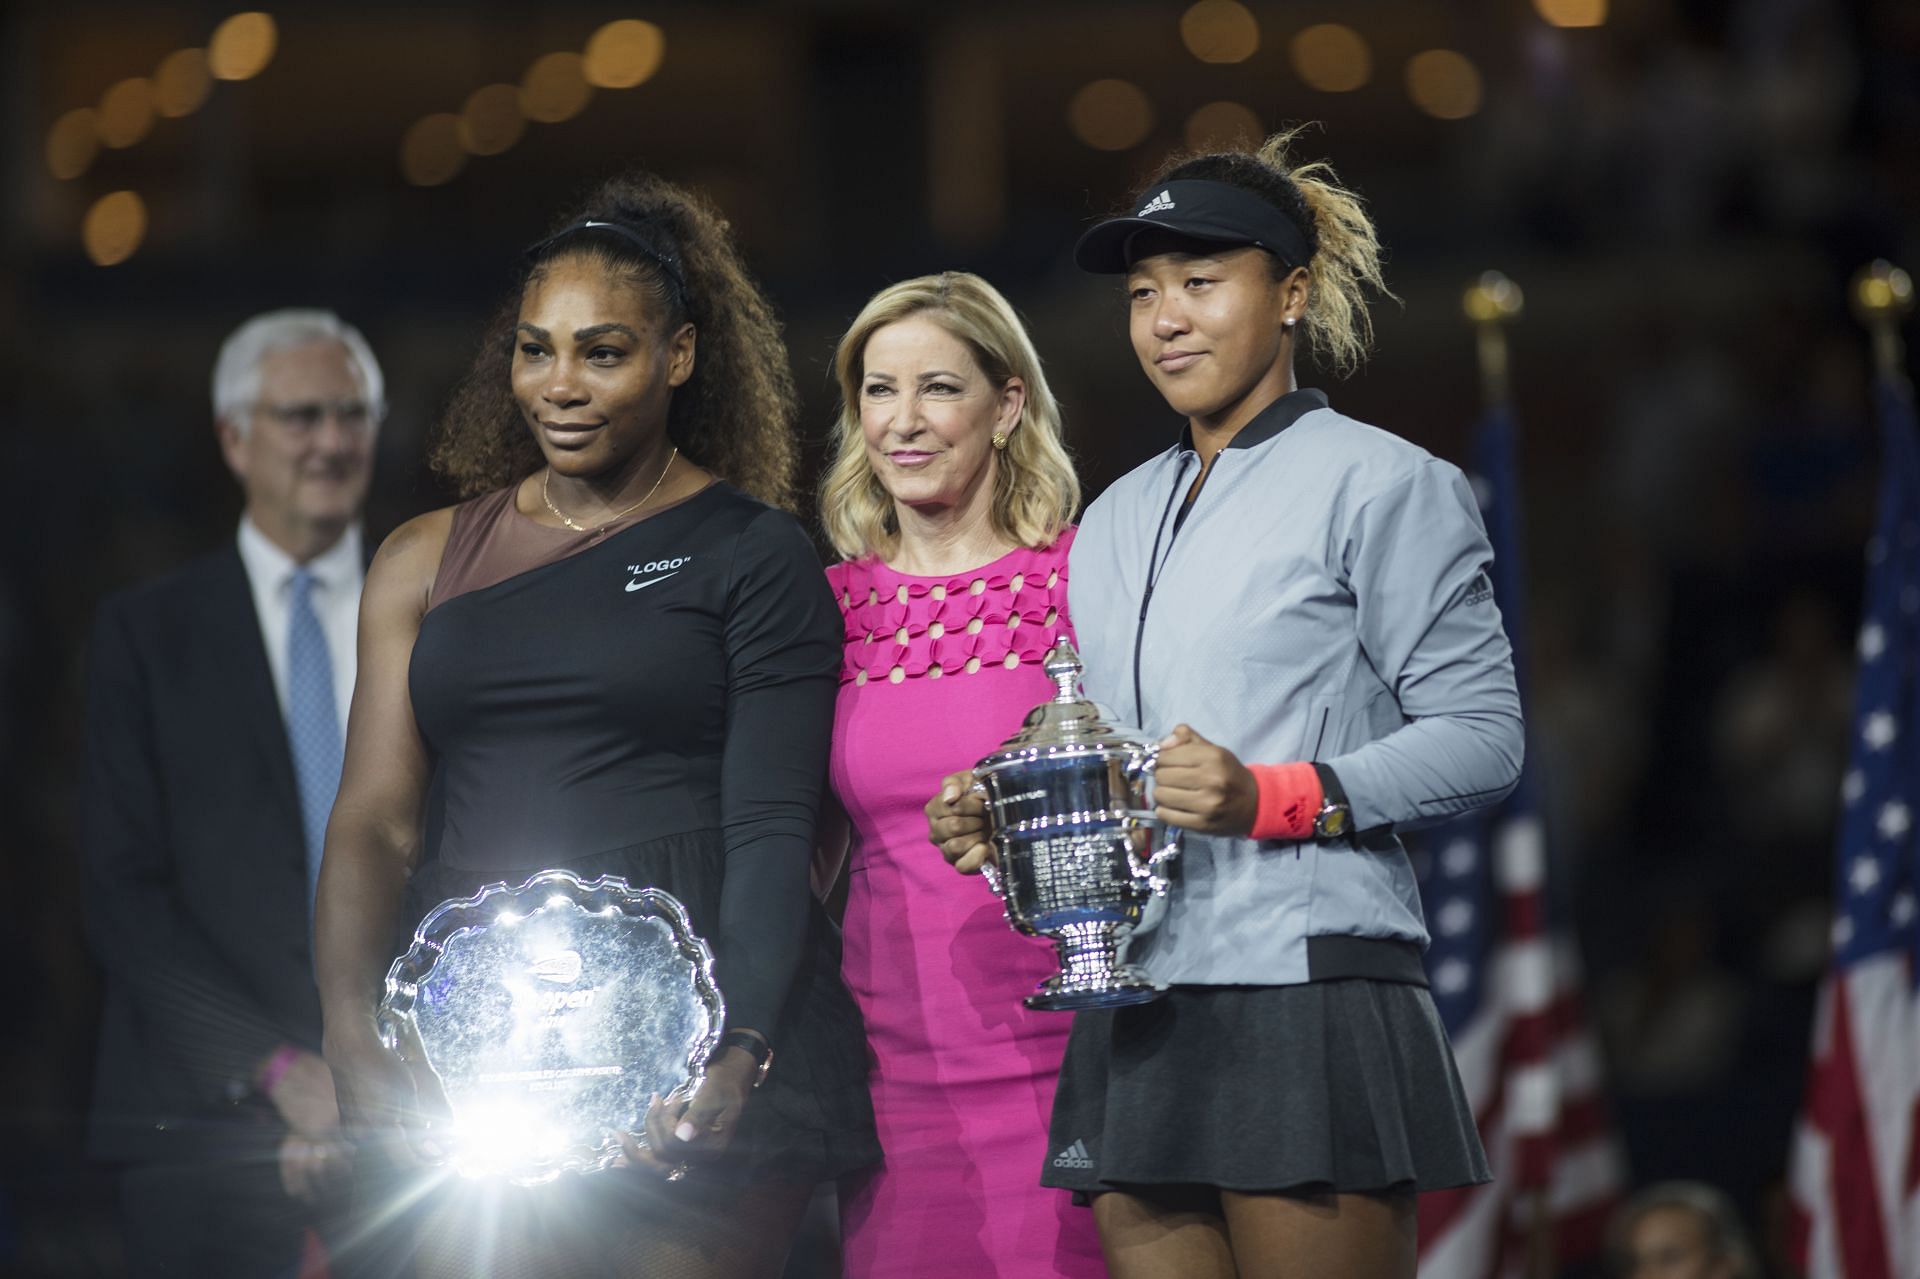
x,y
1068,719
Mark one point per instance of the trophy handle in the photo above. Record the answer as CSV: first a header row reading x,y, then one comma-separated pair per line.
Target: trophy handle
x,y
989,870
1152,869
1155,870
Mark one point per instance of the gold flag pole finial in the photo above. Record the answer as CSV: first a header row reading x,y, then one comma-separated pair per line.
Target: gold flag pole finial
x,y
1882,298
1492,302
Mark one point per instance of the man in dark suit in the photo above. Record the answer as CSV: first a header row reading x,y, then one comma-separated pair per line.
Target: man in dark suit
x,y
216,712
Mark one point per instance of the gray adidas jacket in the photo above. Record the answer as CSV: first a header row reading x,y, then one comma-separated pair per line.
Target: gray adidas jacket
x,y
1325,598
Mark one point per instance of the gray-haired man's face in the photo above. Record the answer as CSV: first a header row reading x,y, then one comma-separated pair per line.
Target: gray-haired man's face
x,y
304,451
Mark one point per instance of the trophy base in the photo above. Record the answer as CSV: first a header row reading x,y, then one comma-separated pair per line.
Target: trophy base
x,y
1128,989
1091,974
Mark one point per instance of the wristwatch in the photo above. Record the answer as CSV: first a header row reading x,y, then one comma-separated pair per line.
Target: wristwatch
x,y
1335,818
758,1048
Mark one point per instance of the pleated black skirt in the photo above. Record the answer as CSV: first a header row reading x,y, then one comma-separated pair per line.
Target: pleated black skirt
x,y
1344,1086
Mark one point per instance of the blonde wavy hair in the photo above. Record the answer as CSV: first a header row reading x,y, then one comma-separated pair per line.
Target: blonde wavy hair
x,y
1035,489
1346,249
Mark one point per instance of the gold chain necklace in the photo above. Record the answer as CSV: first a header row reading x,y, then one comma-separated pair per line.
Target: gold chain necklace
x,y
547,497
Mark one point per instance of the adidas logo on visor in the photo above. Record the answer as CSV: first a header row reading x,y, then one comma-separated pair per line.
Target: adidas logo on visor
x,y
1159,204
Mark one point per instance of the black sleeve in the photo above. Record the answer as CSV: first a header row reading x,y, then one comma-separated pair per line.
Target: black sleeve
x,y
190,1010
783,636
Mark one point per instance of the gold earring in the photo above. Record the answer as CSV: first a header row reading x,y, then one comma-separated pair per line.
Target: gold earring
x,y
1000,440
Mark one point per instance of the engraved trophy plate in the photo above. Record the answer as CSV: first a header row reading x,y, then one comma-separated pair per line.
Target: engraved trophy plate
x,y
1082,858
549,1014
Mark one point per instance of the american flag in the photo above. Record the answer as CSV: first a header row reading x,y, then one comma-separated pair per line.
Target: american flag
x,y
1856,1163
1507,984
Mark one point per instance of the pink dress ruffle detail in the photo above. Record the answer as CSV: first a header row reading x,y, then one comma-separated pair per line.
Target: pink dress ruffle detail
x,y
955,625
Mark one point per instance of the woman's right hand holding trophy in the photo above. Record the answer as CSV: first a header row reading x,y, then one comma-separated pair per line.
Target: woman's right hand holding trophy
x,y
958,825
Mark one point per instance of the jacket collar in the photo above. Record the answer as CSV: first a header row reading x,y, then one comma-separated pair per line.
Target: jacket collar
x,y
1268,422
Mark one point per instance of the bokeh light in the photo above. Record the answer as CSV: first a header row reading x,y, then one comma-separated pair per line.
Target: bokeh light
x,y
181,83
1881,291
1444,84
72,143
242,46
1572,13
114,227
125,114
1110,115
430,153
555,88
1220,31
1331,58
1492,298
1222,125
623,54
491,121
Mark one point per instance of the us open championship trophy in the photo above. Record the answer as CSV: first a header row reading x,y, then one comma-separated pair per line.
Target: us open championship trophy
x,y
1081,854
550,1013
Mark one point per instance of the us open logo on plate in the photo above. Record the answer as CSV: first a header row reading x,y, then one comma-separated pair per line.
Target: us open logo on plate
x,y
561,968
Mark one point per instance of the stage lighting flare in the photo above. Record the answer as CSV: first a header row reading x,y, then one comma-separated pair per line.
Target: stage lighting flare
x,y
1220,31
430,153
555,88
624,54
1572,13
125,114
492,122
1331,58
493,1136
181,83
1110,115
114,227
1444,84
72,143
1221,125
242,46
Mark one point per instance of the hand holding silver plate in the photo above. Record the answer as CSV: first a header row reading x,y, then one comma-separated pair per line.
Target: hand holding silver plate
x,y
1080,854
549,1014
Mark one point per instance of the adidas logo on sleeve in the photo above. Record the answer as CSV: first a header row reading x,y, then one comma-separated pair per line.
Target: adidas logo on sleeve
x,y
1074,1156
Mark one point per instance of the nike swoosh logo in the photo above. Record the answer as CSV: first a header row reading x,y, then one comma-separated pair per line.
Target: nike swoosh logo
x,y
637,584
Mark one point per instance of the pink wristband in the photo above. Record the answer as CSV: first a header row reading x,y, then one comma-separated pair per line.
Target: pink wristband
x,y
276,1068
1290,798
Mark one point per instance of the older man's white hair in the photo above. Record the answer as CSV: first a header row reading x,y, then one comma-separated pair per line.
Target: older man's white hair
x,y
236,374
1726,1236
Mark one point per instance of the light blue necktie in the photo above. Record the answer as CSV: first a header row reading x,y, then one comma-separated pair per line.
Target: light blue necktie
x,y
313,721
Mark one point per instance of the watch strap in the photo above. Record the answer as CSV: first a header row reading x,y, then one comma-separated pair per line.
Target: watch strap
x,y
756,1047
1335,818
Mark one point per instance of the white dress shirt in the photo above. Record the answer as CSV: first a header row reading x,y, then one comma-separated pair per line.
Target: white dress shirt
x,y
338,574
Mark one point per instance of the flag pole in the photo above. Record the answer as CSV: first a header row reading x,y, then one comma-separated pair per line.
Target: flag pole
x,y
1492,302
1882,298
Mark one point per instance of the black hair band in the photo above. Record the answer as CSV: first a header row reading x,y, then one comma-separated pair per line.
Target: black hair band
x,y
668,262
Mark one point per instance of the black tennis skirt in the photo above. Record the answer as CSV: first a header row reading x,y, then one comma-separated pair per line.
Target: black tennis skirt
x,y
1344,1086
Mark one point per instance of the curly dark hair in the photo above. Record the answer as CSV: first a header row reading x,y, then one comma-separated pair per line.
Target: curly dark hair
x,y
735,415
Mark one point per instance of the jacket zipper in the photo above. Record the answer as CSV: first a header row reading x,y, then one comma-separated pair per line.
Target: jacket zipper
x,y
1154,565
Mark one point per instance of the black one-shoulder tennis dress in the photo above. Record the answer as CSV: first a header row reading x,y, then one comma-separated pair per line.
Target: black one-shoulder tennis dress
x,y
656,702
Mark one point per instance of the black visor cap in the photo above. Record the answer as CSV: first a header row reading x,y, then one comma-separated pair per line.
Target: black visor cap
x,y
1210,213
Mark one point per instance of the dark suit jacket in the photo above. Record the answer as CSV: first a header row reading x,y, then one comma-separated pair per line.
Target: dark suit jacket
x,y
195,866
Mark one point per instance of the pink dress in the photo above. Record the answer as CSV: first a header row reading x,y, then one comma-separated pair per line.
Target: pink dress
x,y
938,672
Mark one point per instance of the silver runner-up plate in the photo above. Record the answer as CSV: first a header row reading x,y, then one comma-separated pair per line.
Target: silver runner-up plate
x,y
549,1014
